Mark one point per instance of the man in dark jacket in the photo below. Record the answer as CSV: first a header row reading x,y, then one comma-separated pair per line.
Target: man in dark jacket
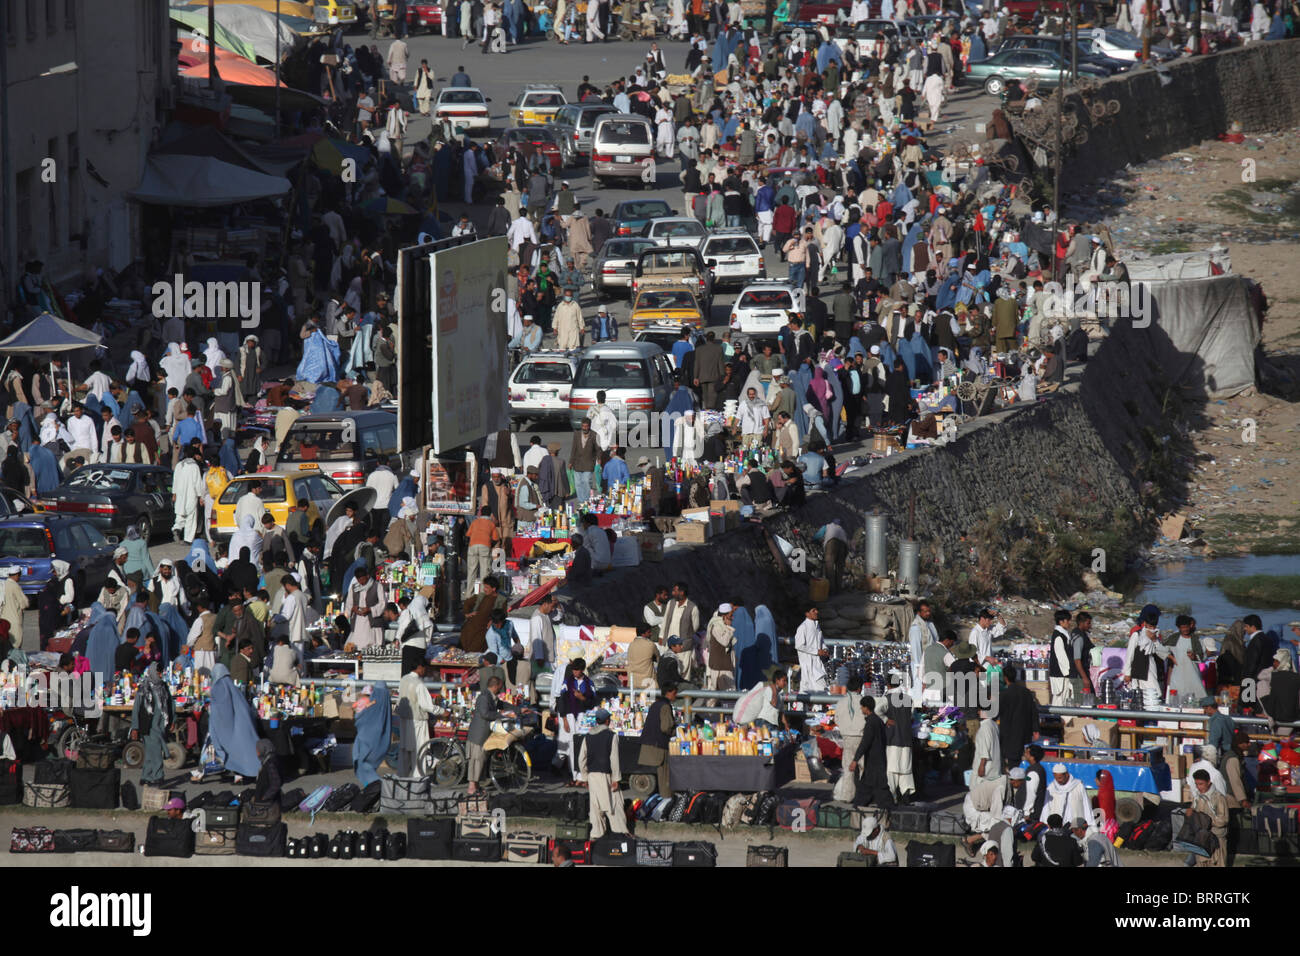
x,y
1017,713
656,731
869,761
487,709
710,364
1057,846
601,229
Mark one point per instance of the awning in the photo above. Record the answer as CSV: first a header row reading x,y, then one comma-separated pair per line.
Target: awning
x,y
172,180
48,333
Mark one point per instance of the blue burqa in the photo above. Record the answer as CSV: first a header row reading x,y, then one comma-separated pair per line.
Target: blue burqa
x,y
170,627
320,359
748,673
855,348
230,725
325,400
764,640
887,354
802,379
374,735
837,403
913,235
908,356
101,646
45,468
199,549
921,357
229,458
405,489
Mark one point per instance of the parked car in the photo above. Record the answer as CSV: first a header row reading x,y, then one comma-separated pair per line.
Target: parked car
x,y
539,387
532,139
635,377
676,231
764,308
673,267
14,504
622,147
734,257
666,336
667,305
576,123
345,446
1061,47
32,543
334,13
631,215
465,107
1023,65
1121,45
616,262
281,491
537,104
114,497
423,15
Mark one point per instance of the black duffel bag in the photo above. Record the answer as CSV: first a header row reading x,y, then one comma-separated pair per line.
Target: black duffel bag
x,y
168,837
95,789
261,839
53,770
75,841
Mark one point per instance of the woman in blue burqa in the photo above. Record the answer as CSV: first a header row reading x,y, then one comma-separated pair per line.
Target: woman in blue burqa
x,y
764,641
102,642
230,725
374,735
151,719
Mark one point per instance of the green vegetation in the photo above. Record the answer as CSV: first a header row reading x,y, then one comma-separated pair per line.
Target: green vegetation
x,y
1170,246
1255,533
1271,590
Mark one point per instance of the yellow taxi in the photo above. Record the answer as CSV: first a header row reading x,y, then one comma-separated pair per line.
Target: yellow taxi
x,y
537,105
281,491
666,305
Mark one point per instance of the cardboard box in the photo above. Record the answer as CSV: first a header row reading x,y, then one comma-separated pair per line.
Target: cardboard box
x,y
696,514
1090,732
1041,689
652,545
727,505
622,635
692,532
882,443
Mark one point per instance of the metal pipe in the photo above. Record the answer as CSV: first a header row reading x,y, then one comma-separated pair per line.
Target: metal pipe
x,y
909,563
877,555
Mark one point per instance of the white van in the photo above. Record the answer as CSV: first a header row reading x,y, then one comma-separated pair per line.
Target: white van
x,y
623,147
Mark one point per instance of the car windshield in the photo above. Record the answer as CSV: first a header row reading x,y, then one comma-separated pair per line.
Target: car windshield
x,y
674,299
461,96
625,248
683,228
765,299
322,443
272,492
739,246
544,99
645,209
101,479
544,373
625,133
1125,41
612,373
668,260
23,543
587,118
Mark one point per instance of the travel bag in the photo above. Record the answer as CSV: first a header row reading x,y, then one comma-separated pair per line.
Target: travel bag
x,y
854,858
429,838
767,856
403,807
798,815
832,816
913,818
95,788
214,843
571,805
472,803
47,796
536,805
290,799
396,848
168,837
227,818
614,849
948,823
654,852
74,841
579,850
761,809
96,756
53,770
476,825
931,854
525,846
31,840
343,846
318,846
365,844
256,811
695,853
316,800
130,799
261,839
114,841
11,782
367,799
341,799
154,799
573,831
507,803
480,849
443,803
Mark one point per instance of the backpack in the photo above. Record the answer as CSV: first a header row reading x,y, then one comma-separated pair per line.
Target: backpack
x,y
1196,835
315,801
734,809
367,799
663,809
1139,836
695,806
762,809
1162,834
678,813
788,813
341,798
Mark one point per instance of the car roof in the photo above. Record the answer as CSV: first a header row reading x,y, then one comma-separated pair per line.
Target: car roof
x,y
460,89
622,350
37,521
362,417
550,355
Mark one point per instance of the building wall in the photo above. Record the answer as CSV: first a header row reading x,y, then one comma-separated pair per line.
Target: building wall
x,y
95,123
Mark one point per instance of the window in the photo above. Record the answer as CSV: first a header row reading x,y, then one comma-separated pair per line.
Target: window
x,y
324,489
612,373
80,540
765,299
62,541
544,373
739,246
92,534
102,480
624,133
317,444
300,490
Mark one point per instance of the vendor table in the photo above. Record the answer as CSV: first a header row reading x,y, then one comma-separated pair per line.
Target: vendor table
x,y
733,774
522,547
319,665
1132,776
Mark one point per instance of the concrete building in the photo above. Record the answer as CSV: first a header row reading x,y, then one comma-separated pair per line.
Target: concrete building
x,y
83,82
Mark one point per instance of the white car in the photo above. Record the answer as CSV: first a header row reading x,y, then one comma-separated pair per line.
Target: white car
x,y
464,107
734,257
539,387
676,231
764,308
1121,45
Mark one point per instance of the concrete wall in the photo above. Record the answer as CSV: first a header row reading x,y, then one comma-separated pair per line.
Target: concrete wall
x,y
1090,439
1257,86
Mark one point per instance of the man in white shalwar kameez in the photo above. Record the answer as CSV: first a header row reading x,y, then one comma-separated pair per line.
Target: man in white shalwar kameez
x,y
1067,796
363,605
188,490
920,635
812,652
414,708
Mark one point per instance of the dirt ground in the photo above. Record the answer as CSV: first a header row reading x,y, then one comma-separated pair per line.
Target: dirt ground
x,y
1245,197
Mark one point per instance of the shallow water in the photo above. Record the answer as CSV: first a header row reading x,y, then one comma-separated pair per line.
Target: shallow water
x,y
1185,584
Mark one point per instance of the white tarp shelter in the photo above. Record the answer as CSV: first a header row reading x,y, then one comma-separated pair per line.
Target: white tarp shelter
x,y
178,180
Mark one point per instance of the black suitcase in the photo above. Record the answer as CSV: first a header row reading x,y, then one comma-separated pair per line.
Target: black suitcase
x,y
168,837
614,849
53,770
75,841
364,839
114,841
221,818
11,782
289,799
344,845
318,846
695,853
429,838
130,798
367,799
261,839
396,847
341,799
477,849
913,818
572,805
931,854
379,845
761,856
95,789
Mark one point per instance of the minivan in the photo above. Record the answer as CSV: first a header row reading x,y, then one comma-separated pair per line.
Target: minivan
x,y
623,147
577,124
635,377
345,446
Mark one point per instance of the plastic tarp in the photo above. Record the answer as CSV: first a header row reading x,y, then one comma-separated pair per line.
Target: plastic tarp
x,y
320,360
1183,265
1204,333
177,180
181,140
249,31
48,333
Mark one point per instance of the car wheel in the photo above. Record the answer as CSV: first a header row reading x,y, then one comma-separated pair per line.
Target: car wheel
x,y
133,755
994,86
145,527
596,183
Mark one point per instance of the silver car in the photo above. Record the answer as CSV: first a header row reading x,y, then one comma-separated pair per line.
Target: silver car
x,y
539,387
676,231
575,124
616,263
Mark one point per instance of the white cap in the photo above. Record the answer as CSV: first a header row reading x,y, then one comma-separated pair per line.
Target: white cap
x,y
875,350
1060,768
1016,773
725,609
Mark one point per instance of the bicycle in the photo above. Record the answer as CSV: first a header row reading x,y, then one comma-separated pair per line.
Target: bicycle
x,y
445,759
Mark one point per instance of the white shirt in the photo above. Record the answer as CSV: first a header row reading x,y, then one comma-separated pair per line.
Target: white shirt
x,y
882,843
291,610
98,384
533,457
249,504
384,482
808,642
520,231
416,612
541,638
82,430
983,640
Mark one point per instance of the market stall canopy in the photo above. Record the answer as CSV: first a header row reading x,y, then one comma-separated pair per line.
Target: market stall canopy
x,y
329,153
171,180
48,333
262,96
1181,265
179,139
233,70
249,31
